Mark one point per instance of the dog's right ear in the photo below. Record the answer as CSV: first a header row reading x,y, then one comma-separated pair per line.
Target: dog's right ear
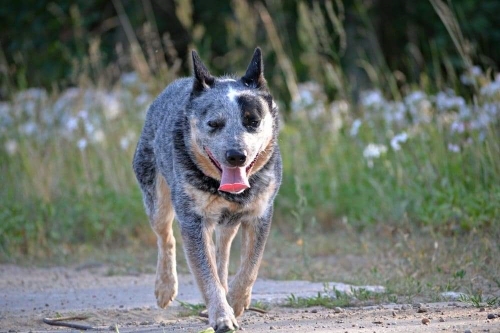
x,y
202,78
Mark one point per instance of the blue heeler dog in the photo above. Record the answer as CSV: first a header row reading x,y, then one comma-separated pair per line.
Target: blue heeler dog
x,y
208,154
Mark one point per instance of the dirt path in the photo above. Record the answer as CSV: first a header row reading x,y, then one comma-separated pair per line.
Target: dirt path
x,y
27,295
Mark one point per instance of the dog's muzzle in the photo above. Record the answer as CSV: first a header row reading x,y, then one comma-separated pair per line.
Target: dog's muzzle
x,y
234,178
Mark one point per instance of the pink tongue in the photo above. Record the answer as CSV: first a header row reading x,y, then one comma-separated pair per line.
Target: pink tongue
x,y
234,180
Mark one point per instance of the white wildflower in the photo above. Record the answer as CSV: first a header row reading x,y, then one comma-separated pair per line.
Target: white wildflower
x,y
82,144
448,101
419,106
482,121
126,140
415,97
340,106
476,71
143,99
33,94
338,111
491,89
71,124
129,79
395,112
311,100
98,136
124,143
83,114
373,151
5,116
89,128
356,124
457,127
493,109
67,100
466,79
29,128
453,148
11,147
111,106
470,76
307,91
398,139
372,99
30,107
306,98
465,112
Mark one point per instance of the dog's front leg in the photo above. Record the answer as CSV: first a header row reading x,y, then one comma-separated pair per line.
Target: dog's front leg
x,y
224,236
161,222
199,248
253,240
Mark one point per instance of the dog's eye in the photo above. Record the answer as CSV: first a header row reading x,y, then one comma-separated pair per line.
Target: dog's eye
x,y
251,120
215,124
254,123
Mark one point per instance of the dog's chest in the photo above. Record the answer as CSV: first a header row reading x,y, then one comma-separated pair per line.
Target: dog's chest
x,y
216,209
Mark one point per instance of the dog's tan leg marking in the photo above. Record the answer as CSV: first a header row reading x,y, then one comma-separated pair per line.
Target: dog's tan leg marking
x,y
200,251
197,228
253,239
224,236
166,272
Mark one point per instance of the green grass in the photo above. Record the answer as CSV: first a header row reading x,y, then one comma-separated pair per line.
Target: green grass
x,y
423,182
57,195
331,298
191,309
442,187
478,301
260,305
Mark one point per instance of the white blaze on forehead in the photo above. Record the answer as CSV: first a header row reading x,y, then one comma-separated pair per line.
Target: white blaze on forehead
x,y
232,94
226,80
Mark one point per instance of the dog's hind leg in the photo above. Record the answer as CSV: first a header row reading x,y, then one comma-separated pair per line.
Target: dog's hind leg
x,y
224,236
253,240
158,204
161,222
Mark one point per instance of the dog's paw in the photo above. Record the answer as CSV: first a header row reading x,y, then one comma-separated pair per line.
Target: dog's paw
x,y
225,324
221,317
165,291
239,302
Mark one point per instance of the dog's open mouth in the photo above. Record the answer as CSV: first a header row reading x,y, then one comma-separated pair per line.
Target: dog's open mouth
x,y
233,179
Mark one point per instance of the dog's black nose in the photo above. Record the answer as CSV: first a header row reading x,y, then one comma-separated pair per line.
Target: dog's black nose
x,y
236,158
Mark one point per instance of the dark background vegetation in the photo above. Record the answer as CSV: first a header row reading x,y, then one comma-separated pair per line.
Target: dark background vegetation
x,y
46,43
431,66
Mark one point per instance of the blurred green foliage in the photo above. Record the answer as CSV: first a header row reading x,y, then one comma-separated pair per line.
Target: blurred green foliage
x,y
45,43
66,175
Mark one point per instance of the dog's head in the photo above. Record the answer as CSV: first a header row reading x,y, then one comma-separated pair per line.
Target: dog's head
x,y
233,124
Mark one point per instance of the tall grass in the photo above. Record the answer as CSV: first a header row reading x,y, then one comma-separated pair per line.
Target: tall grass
x,y
66,176
437,170
418,155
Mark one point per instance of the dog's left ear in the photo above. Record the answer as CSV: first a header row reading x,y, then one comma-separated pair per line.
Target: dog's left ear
x,y
254,76
202,78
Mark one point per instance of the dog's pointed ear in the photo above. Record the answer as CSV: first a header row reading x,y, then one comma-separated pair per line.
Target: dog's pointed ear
x,y
254,76
202,78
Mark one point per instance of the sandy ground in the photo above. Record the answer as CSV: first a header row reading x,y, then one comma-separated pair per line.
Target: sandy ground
x,y
27,295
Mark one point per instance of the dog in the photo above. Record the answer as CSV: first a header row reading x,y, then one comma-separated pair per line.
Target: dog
x,y
208,155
